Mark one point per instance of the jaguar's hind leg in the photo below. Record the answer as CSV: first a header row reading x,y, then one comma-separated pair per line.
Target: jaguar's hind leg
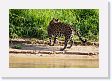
x,y
65,44
71,43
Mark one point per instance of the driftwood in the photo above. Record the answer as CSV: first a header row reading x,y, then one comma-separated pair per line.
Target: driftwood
x,y
50,52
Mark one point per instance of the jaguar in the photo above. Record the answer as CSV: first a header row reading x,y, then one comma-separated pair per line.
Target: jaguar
x,y
56,28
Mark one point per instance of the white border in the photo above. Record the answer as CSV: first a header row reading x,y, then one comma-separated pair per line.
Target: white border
x,y
102,71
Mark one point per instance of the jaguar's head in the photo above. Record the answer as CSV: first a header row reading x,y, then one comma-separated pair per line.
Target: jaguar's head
x,y
54,20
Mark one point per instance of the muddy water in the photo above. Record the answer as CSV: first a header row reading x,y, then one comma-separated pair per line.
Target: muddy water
x,y
53,61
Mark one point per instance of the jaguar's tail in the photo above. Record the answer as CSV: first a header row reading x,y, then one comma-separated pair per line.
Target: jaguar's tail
x,y
82,40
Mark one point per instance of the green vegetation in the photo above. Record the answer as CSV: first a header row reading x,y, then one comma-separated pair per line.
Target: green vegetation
x,y
33,23
17,46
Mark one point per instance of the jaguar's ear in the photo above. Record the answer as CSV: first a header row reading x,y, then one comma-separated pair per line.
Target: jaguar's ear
x,y
53,18
56,19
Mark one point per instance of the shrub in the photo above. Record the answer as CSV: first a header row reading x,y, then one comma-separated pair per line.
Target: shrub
x,y
34,22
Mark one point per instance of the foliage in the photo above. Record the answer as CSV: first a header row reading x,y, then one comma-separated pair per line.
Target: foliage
x,y
17,46
34,22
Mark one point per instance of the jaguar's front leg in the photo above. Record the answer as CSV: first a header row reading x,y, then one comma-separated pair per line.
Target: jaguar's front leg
x,y
55,39
50,41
